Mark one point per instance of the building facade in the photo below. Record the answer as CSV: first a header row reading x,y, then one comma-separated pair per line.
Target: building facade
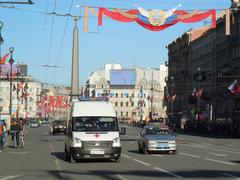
x,y
134,93
203,63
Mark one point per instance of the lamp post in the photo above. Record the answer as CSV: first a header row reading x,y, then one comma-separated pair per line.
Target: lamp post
x,y
1,41
11,61
172,85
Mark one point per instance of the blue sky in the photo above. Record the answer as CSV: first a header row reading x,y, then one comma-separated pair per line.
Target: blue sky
x,y
41,39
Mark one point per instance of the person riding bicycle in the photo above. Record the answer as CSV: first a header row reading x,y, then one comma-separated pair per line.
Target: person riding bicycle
x,y
15,130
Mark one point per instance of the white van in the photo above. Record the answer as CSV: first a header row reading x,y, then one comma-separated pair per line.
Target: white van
x,y
93,131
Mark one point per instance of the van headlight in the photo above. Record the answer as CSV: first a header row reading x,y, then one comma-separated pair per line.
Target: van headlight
x,y
116,142
77,142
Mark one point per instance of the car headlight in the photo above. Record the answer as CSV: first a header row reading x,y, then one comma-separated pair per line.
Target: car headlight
x,y
151,142
116,142
172,142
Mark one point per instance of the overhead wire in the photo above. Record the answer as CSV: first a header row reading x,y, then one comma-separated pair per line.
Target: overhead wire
x,y
50,42
64,33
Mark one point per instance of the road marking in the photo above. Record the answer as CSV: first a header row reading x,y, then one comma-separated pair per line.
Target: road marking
x,y
56,162
199,146
22,152
223,162
119,176
141,162
190,155
158,155
8,177
126,156
167,172
217,154
131,142
230,175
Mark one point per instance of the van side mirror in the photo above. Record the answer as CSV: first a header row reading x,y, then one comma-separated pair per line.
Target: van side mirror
x,y
122,131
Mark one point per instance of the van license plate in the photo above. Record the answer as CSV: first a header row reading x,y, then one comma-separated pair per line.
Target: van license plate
x,y
97,152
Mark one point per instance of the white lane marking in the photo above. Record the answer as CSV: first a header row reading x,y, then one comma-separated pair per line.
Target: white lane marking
x,y
21,152
119,176
158,155
56,161
199,146
230,175
217,154
8,177
131,142
141,162
223,162
167,172
190,155
126,156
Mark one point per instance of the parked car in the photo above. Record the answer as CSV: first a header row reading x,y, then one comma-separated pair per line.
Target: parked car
x,y
59,126
156,139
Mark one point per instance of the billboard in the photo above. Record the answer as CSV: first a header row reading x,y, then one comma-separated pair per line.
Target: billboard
x,y
6,69
123,77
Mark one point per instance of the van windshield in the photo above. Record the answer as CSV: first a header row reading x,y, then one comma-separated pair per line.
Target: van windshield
x,y
94,124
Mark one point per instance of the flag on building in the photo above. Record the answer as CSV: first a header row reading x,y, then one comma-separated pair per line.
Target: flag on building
x,y
234,87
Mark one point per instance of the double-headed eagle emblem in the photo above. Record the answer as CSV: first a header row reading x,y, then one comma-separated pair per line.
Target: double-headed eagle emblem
x,y
157,17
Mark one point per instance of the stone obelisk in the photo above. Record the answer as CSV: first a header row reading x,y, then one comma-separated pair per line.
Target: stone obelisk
x,y
75,64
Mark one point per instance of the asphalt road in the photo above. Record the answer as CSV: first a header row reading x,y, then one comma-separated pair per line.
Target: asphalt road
x,y
197,158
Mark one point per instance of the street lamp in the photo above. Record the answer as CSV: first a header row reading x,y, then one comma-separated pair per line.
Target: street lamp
x,y
172,85
11,61
1,41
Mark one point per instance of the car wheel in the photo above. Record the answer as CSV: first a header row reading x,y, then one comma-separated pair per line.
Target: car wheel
x,y
139,148
144,150
174,152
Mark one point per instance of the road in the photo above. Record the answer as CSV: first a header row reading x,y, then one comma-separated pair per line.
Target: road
x,y
197,158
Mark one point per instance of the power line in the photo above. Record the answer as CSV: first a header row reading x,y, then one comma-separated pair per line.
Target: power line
x,y
50,42
17,2
64,33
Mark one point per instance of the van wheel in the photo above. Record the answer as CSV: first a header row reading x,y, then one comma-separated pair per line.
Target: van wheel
x,y
68,158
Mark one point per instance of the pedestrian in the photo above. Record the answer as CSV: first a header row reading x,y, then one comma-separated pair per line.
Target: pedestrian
x,y
15,130
4,132
1,136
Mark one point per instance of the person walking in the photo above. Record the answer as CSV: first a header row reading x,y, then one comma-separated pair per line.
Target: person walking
x,y
4,132
1,136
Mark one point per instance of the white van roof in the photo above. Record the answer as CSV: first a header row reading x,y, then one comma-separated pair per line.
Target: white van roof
x,y
93,108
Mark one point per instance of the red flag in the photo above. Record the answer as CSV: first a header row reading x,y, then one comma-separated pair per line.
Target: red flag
x,y
4,58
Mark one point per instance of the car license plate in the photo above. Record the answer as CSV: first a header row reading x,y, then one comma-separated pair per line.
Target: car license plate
x,y
97,152
163,145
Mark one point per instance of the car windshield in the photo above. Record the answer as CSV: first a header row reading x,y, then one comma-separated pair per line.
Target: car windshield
x,y
95,124
57,123
156,131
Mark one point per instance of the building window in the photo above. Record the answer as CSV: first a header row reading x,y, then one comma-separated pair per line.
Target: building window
x,y
30,108
132,94
132,104
127,104
121,95
116,95
121,104
127,113
116,103
121,113
116,113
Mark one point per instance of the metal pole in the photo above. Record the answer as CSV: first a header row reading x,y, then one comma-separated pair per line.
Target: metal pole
x,y
10,106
